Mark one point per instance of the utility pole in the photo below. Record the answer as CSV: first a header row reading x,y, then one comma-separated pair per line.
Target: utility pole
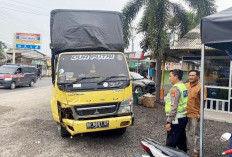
x,y
132,38
132,43
13,58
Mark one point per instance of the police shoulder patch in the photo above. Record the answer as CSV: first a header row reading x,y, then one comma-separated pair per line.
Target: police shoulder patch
x,y
185,92
173,92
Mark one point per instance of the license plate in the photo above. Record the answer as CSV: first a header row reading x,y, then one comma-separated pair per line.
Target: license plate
x,y
100,124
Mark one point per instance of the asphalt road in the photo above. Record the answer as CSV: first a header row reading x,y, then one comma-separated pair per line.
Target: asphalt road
x,y
27,129
46,81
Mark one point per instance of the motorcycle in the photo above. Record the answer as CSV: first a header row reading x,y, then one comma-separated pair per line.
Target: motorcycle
x,y
155,149
226,137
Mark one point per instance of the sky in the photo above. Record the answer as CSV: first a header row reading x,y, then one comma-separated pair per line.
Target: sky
x,y
33,16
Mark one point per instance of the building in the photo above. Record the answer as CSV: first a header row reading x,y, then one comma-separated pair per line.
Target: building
x,y
218,72
3,58
31,57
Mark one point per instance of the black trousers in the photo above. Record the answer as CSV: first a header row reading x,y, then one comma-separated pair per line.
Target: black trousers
x,y
177,135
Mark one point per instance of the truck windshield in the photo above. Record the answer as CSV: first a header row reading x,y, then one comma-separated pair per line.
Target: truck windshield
x,y
7,70
92,68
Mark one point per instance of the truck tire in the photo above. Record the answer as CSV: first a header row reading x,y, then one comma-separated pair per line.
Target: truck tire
x,y
120,131
12,85
32,83
63,131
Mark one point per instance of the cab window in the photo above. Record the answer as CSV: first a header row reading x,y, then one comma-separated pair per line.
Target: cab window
x,y
18,71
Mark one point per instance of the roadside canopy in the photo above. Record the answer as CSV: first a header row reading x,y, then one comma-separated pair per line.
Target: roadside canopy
x,y
216,32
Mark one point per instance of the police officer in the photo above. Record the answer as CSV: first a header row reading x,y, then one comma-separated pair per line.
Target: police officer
x,y
175,108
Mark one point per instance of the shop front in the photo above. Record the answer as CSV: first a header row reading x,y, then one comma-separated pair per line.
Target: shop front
x,y
217,80
218,83
217,70
135,65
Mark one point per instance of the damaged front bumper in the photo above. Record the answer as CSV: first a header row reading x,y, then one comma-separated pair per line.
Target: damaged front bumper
x,y
83,126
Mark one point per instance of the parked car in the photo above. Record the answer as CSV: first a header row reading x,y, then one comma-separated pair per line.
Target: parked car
x,y
12,76
142,84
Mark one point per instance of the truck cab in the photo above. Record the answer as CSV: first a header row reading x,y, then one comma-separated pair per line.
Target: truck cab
x,y
92,92
91,88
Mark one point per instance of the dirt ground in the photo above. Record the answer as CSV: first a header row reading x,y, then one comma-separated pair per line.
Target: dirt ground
x,y
27,129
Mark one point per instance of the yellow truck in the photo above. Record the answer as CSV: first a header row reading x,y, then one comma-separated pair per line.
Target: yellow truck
x,y
91,88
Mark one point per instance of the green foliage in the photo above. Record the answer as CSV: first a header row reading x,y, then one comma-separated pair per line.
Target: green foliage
x,y
202,8
2,46
130,10
192,20
160,16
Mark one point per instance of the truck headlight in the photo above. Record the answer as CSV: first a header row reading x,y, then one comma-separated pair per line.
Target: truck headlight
x,y
8,79
126,106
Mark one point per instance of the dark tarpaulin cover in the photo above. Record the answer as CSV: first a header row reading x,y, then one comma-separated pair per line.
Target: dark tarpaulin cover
x,y
216,31
81,30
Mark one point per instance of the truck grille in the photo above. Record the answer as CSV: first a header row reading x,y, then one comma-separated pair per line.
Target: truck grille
x,y
95,110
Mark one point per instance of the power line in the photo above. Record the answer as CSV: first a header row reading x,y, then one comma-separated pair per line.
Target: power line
x,y
9,21
16,18
45,9
6,19
16,6
30,30
24,11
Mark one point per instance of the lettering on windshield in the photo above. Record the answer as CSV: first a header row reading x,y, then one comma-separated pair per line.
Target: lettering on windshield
x,y
93,57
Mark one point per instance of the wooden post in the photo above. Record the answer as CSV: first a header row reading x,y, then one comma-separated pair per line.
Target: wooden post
x,y
162,80
158,78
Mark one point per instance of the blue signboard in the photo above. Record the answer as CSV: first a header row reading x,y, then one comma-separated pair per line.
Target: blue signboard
x,y
151,72
24,46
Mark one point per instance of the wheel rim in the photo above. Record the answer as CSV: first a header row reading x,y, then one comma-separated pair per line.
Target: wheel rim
x,y
12,85
32,83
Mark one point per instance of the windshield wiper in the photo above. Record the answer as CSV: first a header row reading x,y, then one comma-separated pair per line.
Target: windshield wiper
x,y
83,78
110,77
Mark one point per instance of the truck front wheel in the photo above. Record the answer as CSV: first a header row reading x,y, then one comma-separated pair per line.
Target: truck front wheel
x,y
63,131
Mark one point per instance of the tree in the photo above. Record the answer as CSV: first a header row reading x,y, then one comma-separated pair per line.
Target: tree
x,y
158,17
2,46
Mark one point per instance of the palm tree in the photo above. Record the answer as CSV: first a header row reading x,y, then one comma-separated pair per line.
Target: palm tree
x,y
158,17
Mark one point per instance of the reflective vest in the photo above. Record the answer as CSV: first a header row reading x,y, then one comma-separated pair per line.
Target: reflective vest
x,y
181,109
